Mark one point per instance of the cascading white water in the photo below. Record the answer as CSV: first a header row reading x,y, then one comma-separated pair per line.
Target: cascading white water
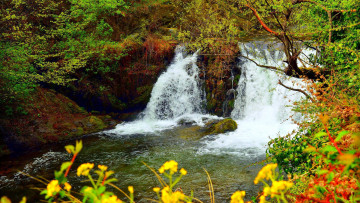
x,y
176,95
259,95
262,107
177,91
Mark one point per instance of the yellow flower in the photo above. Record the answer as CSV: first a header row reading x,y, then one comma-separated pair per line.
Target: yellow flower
x,y
102,167
5,199
84,169
169,165
280,186
165,197
267,191
183,171
265,173
52,187
112,199
174,197
23,200
108,173
156,189
67,186
177,196
237,197
131,189
262,199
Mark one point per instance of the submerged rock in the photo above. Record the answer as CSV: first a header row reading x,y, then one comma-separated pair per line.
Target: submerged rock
x,y
186,122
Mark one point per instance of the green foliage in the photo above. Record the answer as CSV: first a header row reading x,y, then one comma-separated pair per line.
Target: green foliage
x,y
207,25
47,41
290,153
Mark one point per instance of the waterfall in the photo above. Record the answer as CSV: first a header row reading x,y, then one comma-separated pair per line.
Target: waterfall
x,y
262,107
177,91
259,95
176,95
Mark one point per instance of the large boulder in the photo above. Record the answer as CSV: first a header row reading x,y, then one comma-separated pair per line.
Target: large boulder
x,y
220,126
212,127
50,117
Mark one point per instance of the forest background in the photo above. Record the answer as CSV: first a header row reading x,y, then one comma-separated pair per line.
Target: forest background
x,y
96,62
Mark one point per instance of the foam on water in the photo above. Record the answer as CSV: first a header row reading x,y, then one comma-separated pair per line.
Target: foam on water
x,y
262,107
176,95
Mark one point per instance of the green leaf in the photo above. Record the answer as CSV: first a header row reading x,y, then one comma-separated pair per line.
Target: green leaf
x,y
320,134
320,189
110,180
340,135
310,149
101,189
330,177
44,192
65,165
329,148
58,174
322,172
69,149
62,193
100,173
79,146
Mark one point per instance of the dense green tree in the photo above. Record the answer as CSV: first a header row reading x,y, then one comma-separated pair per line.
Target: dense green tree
x,y
47,41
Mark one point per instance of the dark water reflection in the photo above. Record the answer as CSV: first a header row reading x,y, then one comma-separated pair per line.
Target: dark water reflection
x,y
124,155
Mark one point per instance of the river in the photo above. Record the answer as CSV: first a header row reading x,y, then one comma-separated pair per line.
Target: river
x,y
262,109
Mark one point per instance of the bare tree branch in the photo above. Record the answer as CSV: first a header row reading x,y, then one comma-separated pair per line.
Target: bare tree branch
x,y
297,90
263,66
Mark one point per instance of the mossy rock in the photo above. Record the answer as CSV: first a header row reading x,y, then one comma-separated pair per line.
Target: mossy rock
x,y
95,123
211,128
221,126
79,131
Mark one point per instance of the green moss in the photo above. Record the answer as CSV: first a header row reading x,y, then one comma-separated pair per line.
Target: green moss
x,y
211,128
96,122
82,110
221,126
211,104
66,125
79,131
116,103
231,104
236,79
145,93
73,108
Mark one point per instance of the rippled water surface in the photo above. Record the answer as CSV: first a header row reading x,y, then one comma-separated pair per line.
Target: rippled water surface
x,y
260,111
230,168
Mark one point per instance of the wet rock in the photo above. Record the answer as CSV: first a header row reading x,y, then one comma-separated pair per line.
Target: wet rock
x,y
95,122
212,127
221,126
186,122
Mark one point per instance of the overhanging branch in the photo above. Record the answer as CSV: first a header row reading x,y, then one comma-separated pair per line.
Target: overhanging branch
x,y
297,90
261,21
263,66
